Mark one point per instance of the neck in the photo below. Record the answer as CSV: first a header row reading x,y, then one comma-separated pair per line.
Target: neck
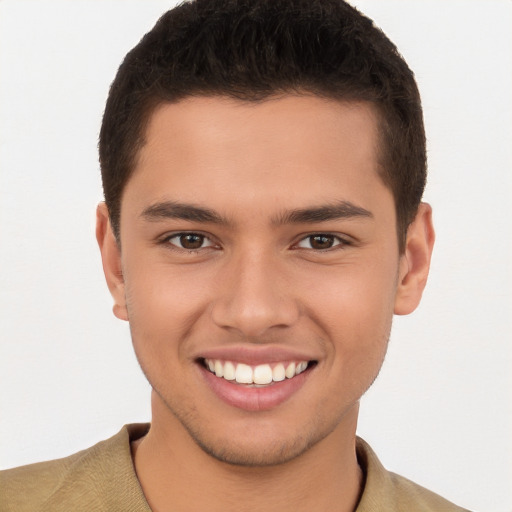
x,y
176,474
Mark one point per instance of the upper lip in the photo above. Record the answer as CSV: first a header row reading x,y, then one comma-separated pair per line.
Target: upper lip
x,y
255,355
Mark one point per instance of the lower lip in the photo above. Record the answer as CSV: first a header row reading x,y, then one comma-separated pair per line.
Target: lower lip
x,y
254,398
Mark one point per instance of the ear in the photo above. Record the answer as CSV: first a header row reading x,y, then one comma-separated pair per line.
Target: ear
x,y
415,262
111,259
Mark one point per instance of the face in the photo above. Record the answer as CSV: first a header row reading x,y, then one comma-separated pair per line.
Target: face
x,y
259,270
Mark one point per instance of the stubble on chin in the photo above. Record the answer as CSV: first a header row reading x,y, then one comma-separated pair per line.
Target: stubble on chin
x,y
270,449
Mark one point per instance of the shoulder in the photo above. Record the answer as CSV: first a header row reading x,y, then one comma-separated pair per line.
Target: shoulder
x,y
387,491
25,487
88,480
409,494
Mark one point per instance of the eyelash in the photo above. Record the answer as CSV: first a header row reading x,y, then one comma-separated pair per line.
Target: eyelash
x,y
167,241
338,242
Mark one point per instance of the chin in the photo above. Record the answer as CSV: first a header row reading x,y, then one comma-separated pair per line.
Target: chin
x,y
267,442
250,452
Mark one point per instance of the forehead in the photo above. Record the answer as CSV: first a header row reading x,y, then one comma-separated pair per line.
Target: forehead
x,y
292,149
270,122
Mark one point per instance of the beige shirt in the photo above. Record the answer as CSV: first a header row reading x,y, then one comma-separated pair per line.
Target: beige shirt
x,y
102,478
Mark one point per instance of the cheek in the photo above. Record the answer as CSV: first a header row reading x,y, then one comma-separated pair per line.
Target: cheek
x,y
356,294
354,309
164,304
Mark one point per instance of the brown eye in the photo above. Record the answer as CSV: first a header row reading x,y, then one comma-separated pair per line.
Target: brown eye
x,y
190,241
320,241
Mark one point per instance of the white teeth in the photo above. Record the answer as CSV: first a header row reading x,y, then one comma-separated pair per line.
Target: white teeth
x,y
260,375
219,369
243,374
278,373
301,367
290,370
229,371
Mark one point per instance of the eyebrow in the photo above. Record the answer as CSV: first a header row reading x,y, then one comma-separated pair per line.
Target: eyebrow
x,y
193,213
182,211
339,210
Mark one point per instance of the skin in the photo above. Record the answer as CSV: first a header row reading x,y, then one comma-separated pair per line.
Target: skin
x,y
259,281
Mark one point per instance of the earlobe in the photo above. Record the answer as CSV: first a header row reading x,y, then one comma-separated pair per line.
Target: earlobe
x,y
111,260
415,262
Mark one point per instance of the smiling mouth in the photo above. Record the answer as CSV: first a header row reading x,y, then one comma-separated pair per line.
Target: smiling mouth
x,y
258,375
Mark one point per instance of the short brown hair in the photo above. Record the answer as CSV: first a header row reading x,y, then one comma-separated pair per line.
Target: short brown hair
x,y
255,49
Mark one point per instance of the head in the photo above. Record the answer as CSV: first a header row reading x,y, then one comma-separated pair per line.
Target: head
x,y
263,165
257,50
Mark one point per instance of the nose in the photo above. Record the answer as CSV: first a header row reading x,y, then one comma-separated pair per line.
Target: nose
x,y
254,296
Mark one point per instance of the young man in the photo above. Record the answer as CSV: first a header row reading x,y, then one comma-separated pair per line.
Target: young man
x,y
263,165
